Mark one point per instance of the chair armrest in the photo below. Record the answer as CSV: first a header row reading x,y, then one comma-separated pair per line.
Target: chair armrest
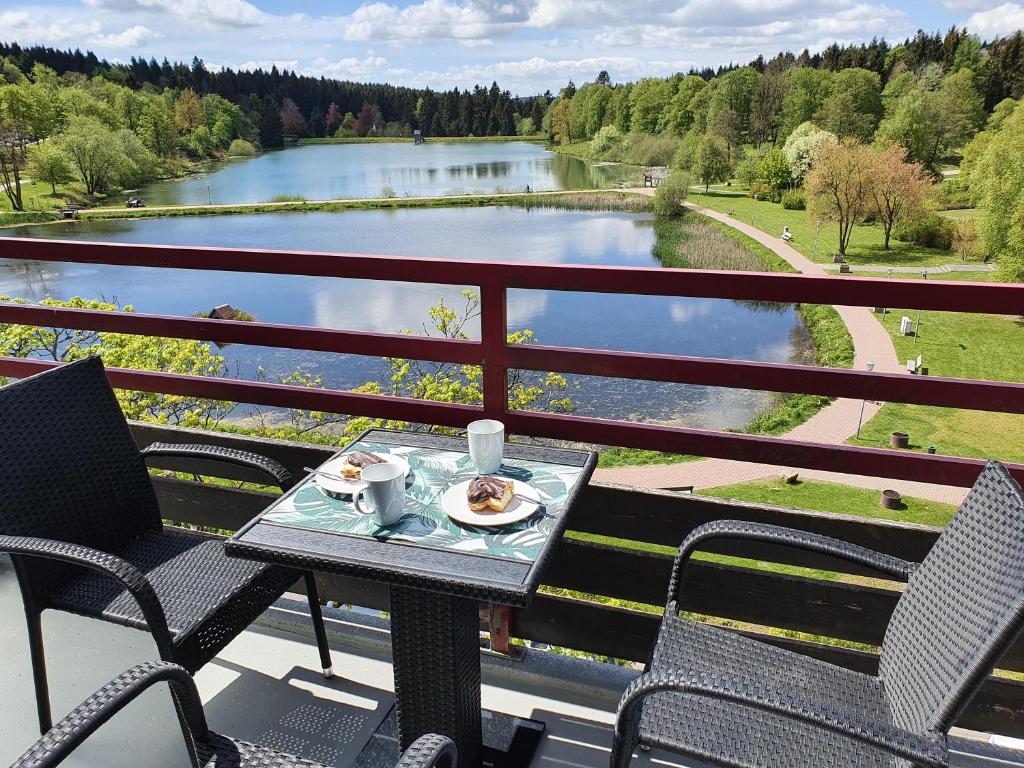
x,y
774,534
272,469
130,577
880,734
430,751
54,746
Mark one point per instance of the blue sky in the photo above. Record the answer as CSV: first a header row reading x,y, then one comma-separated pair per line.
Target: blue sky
x,y
527,45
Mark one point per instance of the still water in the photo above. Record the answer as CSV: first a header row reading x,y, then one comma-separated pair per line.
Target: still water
x,y
710,327
329,171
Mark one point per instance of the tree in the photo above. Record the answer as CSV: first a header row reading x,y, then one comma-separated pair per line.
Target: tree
x,y
95,151
271,132
333,120
840,183
678,115
188,111
348,124
18,117
647,101
800,147
367,120
727,126
711,162
930,123
901,189
603,79
766,108
48,164
316,122
806,92
292,121
773,169
560,122
854,106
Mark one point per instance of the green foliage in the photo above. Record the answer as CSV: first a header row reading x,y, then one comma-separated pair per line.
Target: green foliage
x,y
854,105
647,101
189,357
285,197
800,147
526,127
928,230
761,191
773,169
807,90
604,140
678,115
241,148
794,200
711,163
96,153
46,163
671,194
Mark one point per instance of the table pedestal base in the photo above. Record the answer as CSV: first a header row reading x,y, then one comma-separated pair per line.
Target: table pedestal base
x,y
436,658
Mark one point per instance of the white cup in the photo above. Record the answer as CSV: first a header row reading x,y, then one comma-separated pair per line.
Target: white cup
x,y
486,444
385,488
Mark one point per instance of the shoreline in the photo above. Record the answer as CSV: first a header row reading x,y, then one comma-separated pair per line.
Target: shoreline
x,y
312,141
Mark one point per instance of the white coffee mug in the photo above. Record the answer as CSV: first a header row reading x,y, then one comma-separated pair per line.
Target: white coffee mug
x,y
486,444
385,488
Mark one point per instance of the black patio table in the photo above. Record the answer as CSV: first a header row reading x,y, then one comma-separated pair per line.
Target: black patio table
x,y
438,572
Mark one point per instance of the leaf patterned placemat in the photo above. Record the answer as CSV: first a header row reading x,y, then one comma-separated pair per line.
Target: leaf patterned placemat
x,y
432,471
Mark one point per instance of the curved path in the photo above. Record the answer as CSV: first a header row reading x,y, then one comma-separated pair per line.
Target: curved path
x,y
833,424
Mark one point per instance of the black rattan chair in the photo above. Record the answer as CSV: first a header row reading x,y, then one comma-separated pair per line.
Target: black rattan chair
x,y
79,517
206,749
733,701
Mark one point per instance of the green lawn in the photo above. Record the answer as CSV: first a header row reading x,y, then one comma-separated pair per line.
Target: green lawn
x,y
973,346
865,245
978,277
833,497
960,213
38,197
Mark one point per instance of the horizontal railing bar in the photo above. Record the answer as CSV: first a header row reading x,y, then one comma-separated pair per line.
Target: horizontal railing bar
x,y
1005,397
275,395
776,451
1000,298
255,333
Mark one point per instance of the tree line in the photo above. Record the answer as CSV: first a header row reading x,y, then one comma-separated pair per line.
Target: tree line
x,y
481,111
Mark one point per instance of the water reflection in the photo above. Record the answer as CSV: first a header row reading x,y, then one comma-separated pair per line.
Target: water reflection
x,y
667,325
363,170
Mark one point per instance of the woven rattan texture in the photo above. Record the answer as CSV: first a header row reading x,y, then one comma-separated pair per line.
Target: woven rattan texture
x,y
273,469
436,657
961,608
429,751
71,470
740,736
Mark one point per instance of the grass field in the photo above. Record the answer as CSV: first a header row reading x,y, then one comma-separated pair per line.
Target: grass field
x,y
38,197
865,245
832,497
974,277
973,346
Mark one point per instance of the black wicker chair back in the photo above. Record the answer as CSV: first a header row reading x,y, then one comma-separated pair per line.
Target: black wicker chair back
x,y
70,469
963,606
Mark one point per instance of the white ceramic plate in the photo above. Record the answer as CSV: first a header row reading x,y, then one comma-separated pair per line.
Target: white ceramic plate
x,y
454,503
345,487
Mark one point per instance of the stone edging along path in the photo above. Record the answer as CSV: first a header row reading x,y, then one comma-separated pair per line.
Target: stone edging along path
x,y
833,424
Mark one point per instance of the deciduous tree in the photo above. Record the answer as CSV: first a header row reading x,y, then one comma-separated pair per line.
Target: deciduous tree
x,y
840,183
901,188
95,151
711,162
46,163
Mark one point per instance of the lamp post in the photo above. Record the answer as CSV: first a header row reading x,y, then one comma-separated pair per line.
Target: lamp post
x,y
817,228
209,194
917,326
860,419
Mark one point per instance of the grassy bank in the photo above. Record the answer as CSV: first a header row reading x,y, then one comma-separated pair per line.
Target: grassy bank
x,y
596,200
16,219
865,245
973,346
630,149
409,140
832,497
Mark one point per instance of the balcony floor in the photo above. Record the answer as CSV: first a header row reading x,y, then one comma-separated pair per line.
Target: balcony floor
x,y
266,687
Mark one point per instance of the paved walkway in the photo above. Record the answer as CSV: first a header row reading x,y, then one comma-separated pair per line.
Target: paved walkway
x,y
904,270
833,424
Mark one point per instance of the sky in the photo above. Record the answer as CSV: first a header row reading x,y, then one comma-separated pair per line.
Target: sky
x,y
528,46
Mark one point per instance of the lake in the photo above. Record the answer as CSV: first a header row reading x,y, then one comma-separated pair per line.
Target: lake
x,y
691,326
329,171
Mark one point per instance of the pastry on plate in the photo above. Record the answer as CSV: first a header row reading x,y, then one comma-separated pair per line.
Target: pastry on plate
x,y
493,493
352,466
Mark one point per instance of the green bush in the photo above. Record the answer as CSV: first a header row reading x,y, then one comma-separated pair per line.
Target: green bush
x,y
794,200
241,148
645,149
284,197
668,200
761,191
605,139
929,231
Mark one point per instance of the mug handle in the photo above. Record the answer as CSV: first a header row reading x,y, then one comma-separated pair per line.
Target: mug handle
x,y
359,507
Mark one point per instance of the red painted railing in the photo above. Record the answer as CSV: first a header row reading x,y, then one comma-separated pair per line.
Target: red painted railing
x,y
497,357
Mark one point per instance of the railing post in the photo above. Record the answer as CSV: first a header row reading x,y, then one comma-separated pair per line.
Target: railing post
x,y
494,336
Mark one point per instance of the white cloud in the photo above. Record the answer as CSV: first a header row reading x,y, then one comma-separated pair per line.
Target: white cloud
x,y
1002,20
205,13
350,68
128,38
431,19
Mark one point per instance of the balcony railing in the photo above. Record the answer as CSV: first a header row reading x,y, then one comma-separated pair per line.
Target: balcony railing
x,y
496,356
758,598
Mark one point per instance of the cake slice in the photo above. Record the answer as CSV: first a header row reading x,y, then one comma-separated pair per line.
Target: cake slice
x,y
493,493
352,467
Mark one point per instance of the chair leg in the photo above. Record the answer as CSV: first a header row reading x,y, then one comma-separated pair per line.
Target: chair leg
x,y
38,656
318,625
